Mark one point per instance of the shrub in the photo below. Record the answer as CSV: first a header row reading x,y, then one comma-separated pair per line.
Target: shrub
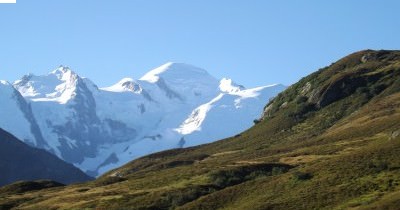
x,y
302,176
233,176
256,121
301,99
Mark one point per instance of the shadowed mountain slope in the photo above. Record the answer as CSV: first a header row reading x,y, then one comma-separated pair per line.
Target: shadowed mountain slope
x,y
22,162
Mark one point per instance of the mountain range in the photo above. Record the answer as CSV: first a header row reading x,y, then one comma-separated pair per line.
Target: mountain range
x,y
329,141
97,129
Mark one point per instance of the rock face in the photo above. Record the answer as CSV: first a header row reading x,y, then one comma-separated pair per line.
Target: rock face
x,y
22,162
97,129
395,134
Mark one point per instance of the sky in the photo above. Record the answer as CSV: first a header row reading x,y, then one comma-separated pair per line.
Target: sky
x,y
254,42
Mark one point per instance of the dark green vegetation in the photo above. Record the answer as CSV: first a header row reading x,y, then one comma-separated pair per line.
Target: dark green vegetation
x,y
330,141
19,161
26,186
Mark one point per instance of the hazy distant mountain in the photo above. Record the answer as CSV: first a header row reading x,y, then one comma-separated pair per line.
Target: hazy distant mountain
x,y
19,161
97,129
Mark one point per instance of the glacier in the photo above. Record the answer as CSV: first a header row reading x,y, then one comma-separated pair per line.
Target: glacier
x,y
100,128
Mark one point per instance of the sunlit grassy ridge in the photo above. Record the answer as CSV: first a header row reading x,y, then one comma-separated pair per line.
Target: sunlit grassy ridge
x,y
330,141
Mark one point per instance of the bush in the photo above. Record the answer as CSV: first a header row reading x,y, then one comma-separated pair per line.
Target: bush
x,y
302,176
227,178
109,180
301,99
233,176
256,121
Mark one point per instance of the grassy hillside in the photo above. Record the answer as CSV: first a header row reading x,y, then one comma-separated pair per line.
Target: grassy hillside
x,y
330,141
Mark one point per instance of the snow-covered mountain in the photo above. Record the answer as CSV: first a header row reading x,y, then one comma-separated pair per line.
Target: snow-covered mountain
x,y
97,129
17,117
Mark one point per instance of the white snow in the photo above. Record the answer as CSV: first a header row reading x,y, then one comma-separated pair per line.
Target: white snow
x,y
174,71
196,118
172,102
59,86
125,85
227,85
12,118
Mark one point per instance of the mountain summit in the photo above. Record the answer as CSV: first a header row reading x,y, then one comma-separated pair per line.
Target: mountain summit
x,y
97,129
182,81
59,85
176,72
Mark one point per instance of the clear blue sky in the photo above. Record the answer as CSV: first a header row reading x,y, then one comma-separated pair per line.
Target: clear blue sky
x,y
253,42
